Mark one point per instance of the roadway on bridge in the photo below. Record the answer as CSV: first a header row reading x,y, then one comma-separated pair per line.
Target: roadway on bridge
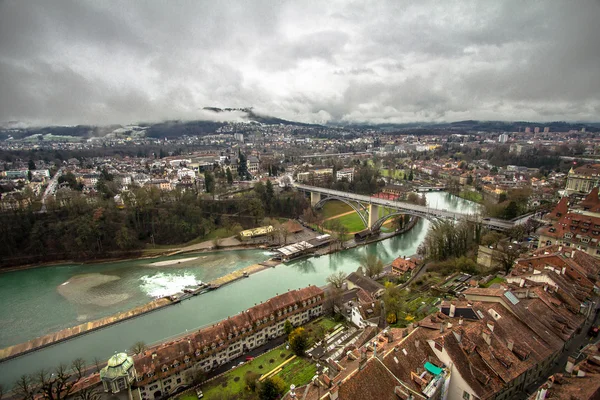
x,y
413,209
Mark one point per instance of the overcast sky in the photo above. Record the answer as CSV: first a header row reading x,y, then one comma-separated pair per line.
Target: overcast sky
x,y
101,62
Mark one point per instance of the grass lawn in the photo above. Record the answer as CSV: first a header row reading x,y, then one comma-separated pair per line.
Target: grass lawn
x,y
298,372
399,175
352,222
473,196
495,280
232,384
333,208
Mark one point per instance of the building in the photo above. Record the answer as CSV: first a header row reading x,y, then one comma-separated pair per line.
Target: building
x,y
347,173
578,231
253,165
503,138
536,129
118,374
527,129
402,265
160,371
546,129
317,176
583,179
373,288
239,137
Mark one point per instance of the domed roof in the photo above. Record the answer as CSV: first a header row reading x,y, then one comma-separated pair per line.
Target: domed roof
x,y
117,366
117,360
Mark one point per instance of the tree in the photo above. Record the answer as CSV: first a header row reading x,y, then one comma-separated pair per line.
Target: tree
x,y
55,385
411,175
252,380
337,279
31,165
511,211
470,179
288,327
371,265
506,256
29,176
242,166
88,393
138,347
298,341
209,182
229,176
271,388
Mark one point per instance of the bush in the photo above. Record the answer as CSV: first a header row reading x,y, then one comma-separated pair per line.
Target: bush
x,y
271,361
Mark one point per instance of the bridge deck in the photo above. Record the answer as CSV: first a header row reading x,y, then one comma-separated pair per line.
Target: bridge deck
x,y
413,209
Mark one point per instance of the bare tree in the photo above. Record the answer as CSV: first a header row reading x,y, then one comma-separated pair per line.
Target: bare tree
x,y
138,347
97,364
88,393
51,385
505,255
371,265
24,388
337,279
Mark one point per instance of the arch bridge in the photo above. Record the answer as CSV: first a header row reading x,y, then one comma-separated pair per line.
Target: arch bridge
x,y
367,208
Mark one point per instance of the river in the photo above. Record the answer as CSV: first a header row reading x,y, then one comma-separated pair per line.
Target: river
x,y
35,301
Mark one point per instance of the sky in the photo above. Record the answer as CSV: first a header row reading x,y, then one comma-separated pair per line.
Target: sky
x,y
105,62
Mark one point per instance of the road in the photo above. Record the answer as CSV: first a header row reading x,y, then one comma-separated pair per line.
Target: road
x,y
51,188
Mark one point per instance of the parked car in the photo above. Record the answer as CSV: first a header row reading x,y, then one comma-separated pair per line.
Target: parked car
x,y
249,358
199,393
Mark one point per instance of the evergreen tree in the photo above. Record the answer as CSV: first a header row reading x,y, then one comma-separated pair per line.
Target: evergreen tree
x,y
242,166
209,182
31,165
229,176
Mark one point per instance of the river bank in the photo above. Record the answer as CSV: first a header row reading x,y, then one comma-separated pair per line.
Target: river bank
x,y
75,287
91,280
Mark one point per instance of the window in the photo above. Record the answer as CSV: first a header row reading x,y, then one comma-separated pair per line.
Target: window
x,y
466,395
585,239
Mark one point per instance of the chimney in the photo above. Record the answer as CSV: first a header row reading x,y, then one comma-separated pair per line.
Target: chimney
x,y
564,269
411,326
452,310
417,343
458,335
541,394
460,321
449,326
522,282
570,365
487,337
580,373
490,326
442,327
510,344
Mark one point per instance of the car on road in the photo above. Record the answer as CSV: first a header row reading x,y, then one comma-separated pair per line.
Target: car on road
x,y
593,331
249,358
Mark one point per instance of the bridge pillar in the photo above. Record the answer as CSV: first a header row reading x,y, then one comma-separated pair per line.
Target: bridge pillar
x,y
373,214
314,198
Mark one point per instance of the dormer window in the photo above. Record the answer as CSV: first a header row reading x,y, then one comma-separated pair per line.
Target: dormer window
x,y
197,353
150,374
568,235
164,368
176,364
187,360
585,239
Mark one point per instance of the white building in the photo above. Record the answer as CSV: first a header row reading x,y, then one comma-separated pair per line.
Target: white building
x,y
347,173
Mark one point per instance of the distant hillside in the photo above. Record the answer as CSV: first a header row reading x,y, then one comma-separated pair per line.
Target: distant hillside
x,y
263,119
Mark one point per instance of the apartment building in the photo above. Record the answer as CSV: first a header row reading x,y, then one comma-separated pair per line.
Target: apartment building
x,y
163,370
583,179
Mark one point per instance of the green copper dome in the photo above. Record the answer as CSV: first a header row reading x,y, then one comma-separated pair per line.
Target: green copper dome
x,y
117,366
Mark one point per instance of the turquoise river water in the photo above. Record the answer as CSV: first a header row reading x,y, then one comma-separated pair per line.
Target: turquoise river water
x,y
37,301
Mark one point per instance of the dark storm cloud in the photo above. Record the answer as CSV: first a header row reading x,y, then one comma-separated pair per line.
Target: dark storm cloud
x,y
72,62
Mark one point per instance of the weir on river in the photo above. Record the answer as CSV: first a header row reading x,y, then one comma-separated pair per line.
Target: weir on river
x,y
189,314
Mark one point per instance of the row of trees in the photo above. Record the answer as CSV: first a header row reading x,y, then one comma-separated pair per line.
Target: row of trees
x,y
80,227
446,240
